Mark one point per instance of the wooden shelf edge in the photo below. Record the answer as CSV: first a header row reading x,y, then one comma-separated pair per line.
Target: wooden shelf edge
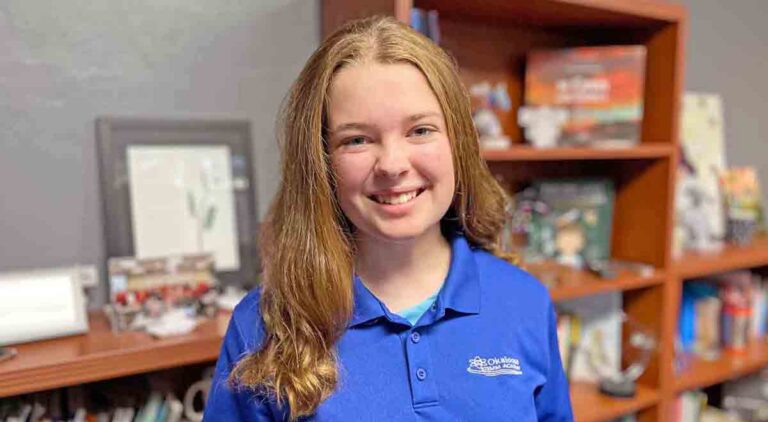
x,y
569,283
605,286
652,9
85,358
702,373
545,13
589,405
528,153
95,369
731,257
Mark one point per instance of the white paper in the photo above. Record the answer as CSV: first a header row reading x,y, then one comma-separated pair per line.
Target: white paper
x,y
173,190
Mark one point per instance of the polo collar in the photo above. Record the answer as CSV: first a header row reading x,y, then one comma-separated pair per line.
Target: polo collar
x,y
367,306
460,291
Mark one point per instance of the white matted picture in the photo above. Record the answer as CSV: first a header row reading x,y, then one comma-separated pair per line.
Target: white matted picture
x,y
182,202
174,187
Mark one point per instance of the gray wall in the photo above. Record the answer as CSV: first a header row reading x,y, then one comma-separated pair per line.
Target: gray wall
x,y
62,63
727,53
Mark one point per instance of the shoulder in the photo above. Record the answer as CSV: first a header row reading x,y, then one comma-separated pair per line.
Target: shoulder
x,y
246,321
500,279
503,275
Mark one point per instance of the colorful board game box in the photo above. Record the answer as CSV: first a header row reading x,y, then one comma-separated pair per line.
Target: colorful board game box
x,y
600,87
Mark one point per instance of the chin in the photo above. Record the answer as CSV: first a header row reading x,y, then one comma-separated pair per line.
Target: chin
x,y
401,232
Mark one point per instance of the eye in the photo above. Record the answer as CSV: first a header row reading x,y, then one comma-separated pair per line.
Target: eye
x,y
354,141
422,131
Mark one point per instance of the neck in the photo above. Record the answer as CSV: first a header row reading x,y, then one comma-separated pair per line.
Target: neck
x,y
403,273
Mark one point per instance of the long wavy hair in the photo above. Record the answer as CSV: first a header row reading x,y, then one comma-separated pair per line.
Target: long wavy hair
x,y
308,248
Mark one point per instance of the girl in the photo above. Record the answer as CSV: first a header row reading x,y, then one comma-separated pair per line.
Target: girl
x,y
384,297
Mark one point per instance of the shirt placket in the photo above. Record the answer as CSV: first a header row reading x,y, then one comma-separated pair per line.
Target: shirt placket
x,y
420,369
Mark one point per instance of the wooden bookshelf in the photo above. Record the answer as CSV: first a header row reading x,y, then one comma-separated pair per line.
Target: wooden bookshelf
x,y
100,355
490,41
730,257
591,406
700,373
527,153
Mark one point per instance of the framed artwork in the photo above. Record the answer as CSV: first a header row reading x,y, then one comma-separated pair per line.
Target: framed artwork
x,y
173,187
49,301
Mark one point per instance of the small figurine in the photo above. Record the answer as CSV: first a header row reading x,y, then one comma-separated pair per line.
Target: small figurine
x,y
543,125
486,101
570,239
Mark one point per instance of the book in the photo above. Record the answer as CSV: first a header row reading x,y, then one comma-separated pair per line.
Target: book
x,y
602,88
576,227
175,408
689,406
743,203
699,323
568,338
741,192
427,22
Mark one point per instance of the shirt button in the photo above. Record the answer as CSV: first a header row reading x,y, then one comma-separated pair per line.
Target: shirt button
x,y
415,336
434,306
421,374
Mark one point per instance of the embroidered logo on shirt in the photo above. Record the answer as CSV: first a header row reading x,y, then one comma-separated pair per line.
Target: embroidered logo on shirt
x,y
491,367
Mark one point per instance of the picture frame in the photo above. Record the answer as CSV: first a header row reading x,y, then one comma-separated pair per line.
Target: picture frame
x,y
176,186
51,302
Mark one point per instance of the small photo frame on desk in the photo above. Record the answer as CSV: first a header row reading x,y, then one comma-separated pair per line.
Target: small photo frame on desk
x,y
40,304
173,187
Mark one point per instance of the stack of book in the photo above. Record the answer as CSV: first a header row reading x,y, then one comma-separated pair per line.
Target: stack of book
x,y
82,404
725,311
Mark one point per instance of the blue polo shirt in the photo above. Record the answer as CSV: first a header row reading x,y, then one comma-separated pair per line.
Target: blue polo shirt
x,y
486,350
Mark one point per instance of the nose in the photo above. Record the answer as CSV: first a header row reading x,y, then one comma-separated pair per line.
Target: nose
x,y
393,160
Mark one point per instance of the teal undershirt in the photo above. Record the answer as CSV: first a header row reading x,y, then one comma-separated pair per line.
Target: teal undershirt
x,y
415,312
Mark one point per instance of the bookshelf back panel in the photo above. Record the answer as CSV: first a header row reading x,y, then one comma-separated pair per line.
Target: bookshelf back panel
x,y
643,215
663,82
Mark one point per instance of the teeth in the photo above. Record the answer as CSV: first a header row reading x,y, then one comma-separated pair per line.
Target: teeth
x,y
396,199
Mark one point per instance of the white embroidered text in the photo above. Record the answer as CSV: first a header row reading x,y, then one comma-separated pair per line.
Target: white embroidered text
x,y
491,367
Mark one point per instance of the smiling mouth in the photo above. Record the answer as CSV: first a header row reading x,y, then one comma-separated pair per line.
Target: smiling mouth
x,y
397,199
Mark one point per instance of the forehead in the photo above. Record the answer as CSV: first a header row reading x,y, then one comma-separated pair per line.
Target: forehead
x,y
372,91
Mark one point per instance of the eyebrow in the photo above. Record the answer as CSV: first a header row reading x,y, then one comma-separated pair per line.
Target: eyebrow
x,y
362,126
